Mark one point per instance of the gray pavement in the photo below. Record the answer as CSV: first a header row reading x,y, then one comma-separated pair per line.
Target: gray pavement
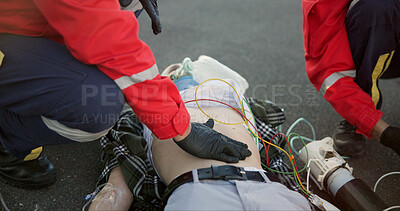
x,y
262,40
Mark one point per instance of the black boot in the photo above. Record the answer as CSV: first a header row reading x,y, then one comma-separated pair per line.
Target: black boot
x,y
347,142
31,174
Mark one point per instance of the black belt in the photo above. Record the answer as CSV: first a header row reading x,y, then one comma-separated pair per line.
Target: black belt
x,y
225,172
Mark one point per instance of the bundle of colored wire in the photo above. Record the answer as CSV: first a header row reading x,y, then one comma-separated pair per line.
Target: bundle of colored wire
x,y
290,156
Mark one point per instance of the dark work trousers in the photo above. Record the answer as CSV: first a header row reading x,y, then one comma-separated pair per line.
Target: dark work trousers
x,y
373,28
49,97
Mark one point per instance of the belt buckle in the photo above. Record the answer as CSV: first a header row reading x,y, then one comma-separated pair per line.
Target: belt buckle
x,y
238,173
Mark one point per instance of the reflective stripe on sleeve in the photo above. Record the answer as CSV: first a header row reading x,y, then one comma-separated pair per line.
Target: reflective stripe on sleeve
x,y
334,77
127,81
71,133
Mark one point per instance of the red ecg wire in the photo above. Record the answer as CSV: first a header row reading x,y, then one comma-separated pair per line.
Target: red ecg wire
x,y
265,147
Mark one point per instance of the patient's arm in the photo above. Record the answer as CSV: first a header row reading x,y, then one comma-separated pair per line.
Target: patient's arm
x,y
115,195
171,161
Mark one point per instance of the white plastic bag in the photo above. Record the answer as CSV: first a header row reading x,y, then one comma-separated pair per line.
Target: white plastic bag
x,y
206,68
203,69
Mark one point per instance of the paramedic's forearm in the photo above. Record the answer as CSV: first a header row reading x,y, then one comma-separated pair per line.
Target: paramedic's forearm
x,y
388,135
181,137
379,128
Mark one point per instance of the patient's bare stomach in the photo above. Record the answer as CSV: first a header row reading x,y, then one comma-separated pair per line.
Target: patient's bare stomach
x,y
171,161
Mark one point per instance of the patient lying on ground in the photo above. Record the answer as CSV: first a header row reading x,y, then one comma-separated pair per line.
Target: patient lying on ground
x,y
170,162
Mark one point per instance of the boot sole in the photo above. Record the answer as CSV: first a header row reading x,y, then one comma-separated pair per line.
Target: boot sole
x,y
28,186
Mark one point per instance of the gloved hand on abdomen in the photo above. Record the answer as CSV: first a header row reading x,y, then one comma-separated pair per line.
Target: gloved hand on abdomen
x,y
204,142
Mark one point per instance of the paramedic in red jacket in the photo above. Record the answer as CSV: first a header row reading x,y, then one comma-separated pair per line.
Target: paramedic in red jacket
x,y
349,45
66,69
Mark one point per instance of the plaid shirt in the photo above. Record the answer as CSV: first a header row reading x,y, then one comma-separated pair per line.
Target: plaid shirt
x,y
125,146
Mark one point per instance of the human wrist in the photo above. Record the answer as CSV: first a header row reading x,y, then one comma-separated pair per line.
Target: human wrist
x,y
179,138
379,128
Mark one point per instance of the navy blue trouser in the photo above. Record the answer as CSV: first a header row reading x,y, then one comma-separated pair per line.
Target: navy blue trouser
x,y
49,97
373,28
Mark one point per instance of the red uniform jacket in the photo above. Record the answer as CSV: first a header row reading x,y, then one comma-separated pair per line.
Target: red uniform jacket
x,y
97,32
330,65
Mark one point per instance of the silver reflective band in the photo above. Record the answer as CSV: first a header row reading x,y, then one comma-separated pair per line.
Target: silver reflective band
x,y
71,133
134,6
127,81
354,2
329,81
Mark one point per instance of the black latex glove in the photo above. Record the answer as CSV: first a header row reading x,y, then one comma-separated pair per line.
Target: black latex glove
x,y
152,10
125,3
204,142
391,138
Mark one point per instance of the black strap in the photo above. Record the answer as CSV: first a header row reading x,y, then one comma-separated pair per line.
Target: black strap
x,y
225,172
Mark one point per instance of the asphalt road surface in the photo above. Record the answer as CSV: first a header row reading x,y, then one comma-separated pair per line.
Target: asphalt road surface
x,y
260,39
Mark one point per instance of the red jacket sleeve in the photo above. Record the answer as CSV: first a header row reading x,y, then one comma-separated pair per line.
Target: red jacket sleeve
x,y
329,62
97,32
